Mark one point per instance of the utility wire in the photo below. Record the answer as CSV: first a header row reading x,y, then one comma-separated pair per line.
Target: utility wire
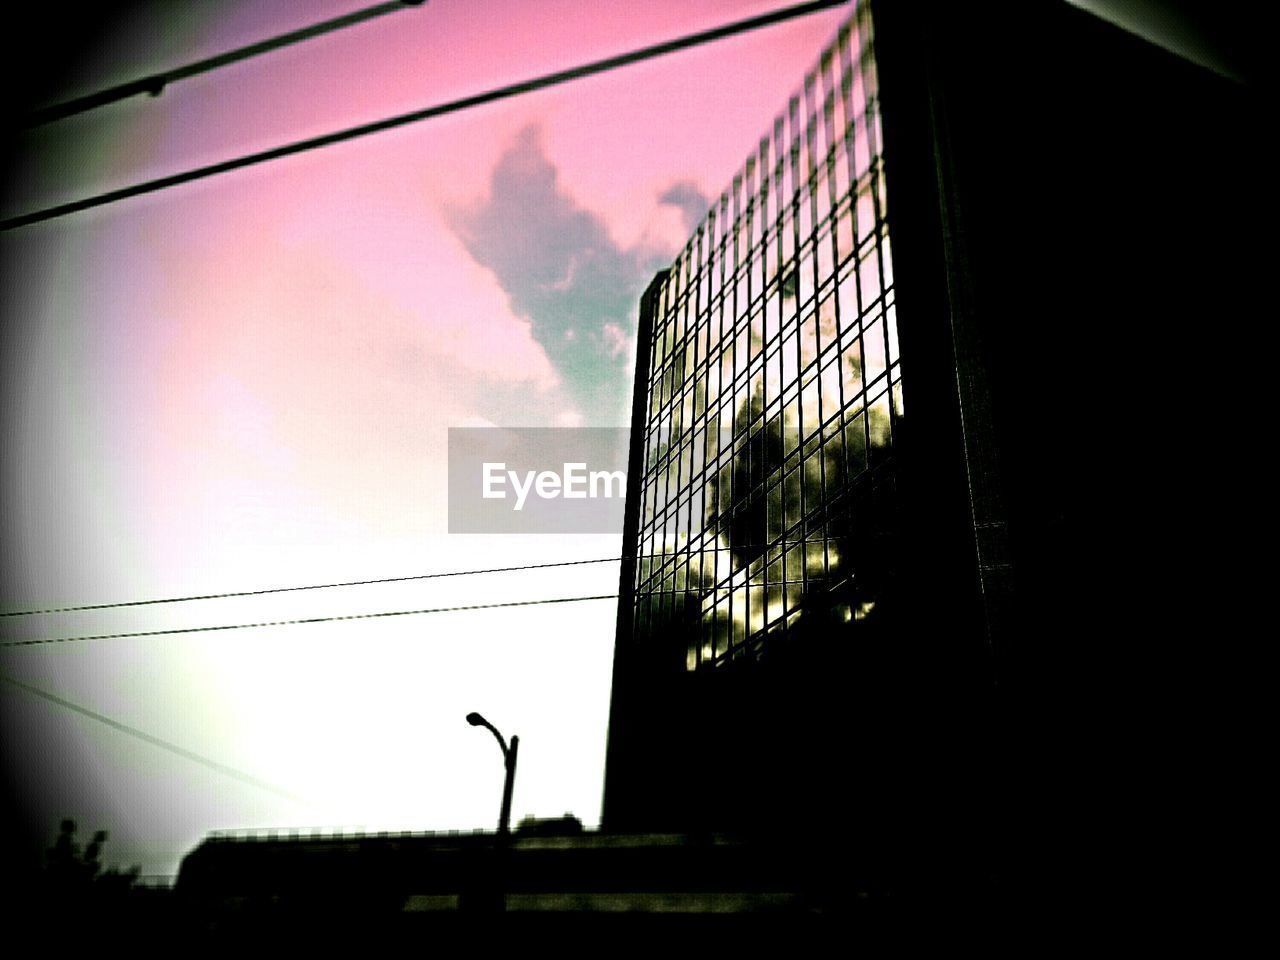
x,y
155,84
400,120
266,591
314,586
305,620
145,737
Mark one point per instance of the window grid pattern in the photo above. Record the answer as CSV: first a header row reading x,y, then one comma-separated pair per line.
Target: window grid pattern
x,y
775,377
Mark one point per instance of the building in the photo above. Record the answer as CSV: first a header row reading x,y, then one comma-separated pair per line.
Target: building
x,y
467,889
940,424
902,508
767,404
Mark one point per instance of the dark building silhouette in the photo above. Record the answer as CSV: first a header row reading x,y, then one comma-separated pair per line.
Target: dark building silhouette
x,y
922,437
764,476
942,422
554,880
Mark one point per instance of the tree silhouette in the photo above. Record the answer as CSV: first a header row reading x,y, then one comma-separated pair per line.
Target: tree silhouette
x,y
75,875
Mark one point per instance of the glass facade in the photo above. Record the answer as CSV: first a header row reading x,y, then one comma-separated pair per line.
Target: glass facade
x,y
774,389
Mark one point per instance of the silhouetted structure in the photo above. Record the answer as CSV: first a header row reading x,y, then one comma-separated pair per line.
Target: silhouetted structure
x,y
866,656
923,629
557,880
763,481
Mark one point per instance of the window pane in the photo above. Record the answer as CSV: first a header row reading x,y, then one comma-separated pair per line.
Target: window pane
x,y
878,423
855,444
873,348
851,369
827,322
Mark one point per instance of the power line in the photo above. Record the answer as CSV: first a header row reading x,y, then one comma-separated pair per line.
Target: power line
x,y
305,620
155,84
314,586
153,740
266,591
400,120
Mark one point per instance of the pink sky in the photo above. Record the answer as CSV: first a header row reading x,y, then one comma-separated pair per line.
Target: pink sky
x,y
247,382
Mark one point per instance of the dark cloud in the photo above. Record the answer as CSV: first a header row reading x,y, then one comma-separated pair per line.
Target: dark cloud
x,y
562,270
692,202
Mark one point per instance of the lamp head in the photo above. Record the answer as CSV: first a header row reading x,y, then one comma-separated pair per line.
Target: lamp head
x,y
475,719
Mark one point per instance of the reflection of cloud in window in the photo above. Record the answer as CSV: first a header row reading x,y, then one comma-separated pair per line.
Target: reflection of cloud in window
x,y
786,409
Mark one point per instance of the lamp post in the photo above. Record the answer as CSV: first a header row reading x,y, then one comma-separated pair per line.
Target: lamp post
x,y
509,752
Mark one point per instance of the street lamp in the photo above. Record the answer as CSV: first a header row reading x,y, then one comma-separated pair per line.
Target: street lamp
x,y
509,760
